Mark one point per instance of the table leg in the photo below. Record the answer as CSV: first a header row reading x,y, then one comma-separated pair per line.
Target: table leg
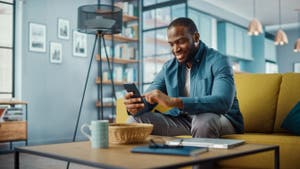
x,y
276,158
26,118
17,160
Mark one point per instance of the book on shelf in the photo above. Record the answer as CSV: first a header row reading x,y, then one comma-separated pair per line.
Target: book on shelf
x,y
2,112
181,151
207,142
13,114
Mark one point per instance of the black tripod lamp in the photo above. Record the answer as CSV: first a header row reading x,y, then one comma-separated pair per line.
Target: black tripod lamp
x,y
99,20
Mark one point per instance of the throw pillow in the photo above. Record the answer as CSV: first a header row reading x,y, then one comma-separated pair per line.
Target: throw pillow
x,y
292,120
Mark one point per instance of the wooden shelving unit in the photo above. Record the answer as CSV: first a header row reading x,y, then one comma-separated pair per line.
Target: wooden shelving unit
x,y
120,38
125,62
98,104
117,60
11,131
127,18
108,82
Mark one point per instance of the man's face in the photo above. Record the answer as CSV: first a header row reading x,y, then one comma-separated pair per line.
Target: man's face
x,y
181,42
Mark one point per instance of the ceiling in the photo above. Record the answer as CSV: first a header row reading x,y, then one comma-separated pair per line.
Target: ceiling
x,y
267,11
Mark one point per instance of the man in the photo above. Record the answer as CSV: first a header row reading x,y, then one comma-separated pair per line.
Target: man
x,y
197,83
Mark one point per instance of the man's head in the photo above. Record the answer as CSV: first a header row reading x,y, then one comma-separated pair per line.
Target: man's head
x,y
183,38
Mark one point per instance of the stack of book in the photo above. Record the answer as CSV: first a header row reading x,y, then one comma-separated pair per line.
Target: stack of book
x,y
13,114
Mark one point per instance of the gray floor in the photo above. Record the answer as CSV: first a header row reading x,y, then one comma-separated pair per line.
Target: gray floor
x,y
35,162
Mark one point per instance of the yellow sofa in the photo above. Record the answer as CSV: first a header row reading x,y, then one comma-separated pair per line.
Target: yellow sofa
x,y
265,100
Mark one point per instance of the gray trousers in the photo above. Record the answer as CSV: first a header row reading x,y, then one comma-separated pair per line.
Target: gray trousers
x,y
208,125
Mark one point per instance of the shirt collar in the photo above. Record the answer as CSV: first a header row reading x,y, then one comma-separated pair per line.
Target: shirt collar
x,y
200,53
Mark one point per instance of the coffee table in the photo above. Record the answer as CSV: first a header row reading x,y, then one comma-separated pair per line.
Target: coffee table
x,y
119,156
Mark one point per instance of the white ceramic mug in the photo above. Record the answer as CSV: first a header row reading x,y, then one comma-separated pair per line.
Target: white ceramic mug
x,y
99,133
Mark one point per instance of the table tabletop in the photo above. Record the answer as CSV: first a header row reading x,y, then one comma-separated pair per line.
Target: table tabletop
x,y
119,156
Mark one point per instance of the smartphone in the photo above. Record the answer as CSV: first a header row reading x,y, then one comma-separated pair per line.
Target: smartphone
x,y
131,87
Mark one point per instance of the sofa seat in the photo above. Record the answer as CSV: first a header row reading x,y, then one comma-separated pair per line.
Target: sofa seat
x,y
289,151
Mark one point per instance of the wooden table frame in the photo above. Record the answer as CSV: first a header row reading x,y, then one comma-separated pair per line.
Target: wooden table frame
x,y
103,158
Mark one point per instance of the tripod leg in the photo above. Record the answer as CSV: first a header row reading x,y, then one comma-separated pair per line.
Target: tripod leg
x,y
83,95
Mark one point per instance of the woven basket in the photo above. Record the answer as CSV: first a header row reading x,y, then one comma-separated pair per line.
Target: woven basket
x,y
120,133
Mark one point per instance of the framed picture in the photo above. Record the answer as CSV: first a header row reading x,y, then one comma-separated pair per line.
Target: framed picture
x,y
37,37
297,67
55,52
79,44
63,28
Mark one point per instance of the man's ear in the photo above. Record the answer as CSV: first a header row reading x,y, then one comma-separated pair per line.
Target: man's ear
x,y
196,38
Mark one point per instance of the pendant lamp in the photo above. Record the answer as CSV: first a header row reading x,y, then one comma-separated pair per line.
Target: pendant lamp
x,y
297,43
280,38
255,27
297,46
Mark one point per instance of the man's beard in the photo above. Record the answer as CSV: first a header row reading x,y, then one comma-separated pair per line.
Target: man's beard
x,y
191,54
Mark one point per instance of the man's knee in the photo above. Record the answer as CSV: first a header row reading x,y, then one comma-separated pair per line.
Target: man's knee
x,y
206,125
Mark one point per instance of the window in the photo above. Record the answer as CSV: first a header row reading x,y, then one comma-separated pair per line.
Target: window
x,y
6,48
156,50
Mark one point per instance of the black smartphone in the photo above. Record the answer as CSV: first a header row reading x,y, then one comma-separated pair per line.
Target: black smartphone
x,y
131,87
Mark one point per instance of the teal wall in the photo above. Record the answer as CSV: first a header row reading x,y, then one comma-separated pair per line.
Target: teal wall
x,y
285,55
257,65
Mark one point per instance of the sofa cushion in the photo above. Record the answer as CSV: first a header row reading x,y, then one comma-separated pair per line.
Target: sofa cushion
x,y
289,151
292,120
289,95
257,95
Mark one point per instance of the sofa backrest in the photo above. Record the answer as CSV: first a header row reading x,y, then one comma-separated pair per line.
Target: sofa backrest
x,y
289,96
257,95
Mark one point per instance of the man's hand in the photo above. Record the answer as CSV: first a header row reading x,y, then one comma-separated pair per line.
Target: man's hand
x,y
133,105
156,96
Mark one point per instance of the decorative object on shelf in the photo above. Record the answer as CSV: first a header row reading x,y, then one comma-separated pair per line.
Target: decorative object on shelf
x,y
297,67
55,52
255,27
37,37
79,44
297,43
63,28
280,38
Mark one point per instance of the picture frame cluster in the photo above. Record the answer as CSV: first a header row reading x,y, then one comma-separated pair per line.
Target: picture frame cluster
x,y
38,39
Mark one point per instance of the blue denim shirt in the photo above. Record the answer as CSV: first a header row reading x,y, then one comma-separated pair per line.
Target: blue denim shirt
x,y
212,87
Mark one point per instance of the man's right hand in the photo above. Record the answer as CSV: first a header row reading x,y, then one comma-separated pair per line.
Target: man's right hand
x,y
133,105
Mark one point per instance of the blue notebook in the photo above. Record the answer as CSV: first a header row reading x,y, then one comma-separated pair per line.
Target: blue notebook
x,y
182,151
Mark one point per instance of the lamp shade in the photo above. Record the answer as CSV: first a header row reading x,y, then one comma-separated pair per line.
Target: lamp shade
x,y
99,18
281,38
255,27
297,46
